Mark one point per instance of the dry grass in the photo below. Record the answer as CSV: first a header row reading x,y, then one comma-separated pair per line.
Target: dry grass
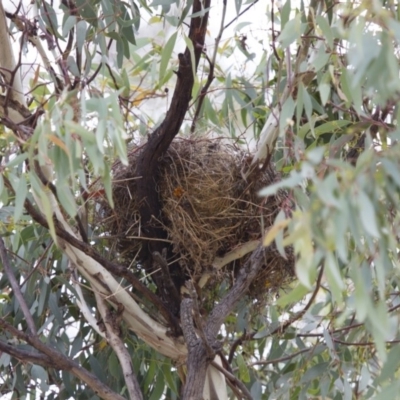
x,y
208,210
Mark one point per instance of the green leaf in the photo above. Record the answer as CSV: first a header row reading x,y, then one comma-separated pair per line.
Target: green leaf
x,y
390,392
331,127
68,25
320,60
326,29
189,45
243,370
390,367
367,214
324,92
240,26
158,388
295,295
81,27
108,185
20,196
315,372
39,373
334,276
200,13
1,185
286,117
49,16
238,5
292,31
129,34
67,199
285,13
55,309
87,11
48,211
18,160
166,55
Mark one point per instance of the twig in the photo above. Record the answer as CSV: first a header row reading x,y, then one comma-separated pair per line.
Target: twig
x,y
281,359
210,77
241,13
246,394
273,31
90,251
54,359
16,289
238,342
246,276
113,334
37,262
161,261
81,302
286,324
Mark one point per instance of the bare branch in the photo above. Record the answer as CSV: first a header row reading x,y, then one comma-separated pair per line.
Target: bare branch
x,y
296,317
53,358
101,279
26,355
239,289
240,14
210,77
16,289
81,302
113,333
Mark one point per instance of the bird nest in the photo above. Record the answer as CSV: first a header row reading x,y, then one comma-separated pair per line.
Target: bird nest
x,y
210,212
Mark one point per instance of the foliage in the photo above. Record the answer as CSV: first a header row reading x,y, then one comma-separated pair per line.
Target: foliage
x,y
316,92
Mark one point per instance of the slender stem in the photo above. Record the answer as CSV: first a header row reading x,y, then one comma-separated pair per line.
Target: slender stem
x,y
210,77
16,289
241,13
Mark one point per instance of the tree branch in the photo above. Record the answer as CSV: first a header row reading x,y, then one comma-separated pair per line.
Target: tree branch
x,y
54,359
197,355
113,333
101,279
157,145
112,267
16,289
239,289
210,76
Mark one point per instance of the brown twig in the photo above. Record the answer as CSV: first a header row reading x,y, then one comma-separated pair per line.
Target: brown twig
x,y
16,289
210,76
238,342
241,13
273,32
295,318
52,358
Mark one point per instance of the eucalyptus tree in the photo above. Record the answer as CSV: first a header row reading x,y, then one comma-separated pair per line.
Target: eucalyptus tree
x,y
93,88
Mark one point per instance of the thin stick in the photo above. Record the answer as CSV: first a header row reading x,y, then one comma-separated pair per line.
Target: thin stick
x,y
16,289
